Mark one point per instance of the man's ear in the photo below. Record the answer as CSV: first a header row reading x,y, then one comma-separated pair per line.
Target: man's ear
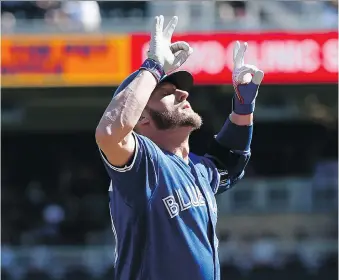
x,y
143,120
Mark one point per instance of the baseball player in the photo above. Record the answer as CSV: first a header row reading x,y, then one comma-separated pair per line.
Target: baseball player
x,y
162,197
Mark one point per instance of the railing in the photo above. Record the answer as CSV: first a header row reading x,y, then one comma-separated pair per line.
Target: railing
x,y
286,195
201,16
196,24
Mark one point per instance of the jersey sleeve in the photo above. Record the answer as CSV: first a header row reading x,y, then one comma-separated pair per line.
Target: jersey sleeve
x,y
220,178
136,181
231,168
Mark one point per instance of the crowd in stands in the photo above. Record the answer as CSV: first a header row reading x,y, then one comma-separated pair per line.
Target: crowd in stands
x,y
89,15
81,15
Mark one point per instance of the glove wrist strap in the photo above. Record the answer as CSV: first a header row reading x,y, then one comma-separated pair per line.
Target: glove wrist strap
x,y
242,109
154,67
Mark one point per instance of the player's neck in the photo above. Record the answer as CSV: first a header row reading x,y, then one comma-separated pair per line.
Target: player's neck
x,y
174,141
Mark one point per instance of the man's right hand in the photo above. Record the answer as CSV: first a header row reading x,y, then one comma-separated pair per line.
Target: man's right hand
x,y
169,55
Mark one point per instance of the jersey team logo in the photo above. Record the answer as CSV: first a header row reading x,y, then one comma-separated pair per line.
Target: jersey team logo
x,y
181,201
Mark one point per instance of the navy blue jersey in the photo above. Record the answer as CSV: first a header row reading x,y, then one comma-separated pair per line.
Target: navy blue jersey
x,y
164,215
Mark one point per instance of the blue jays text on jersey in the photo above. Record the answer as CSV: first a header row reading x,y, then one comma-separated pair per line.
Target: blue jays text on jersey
x,y
164,215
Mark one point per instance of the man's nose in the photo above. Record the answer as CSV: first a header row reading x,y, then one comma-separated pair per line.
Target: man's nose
x,y
181,95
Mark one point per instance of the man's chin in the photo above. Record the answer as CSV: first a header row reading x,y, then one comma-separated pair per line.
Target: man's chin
x,y
164,121
191,128
194,122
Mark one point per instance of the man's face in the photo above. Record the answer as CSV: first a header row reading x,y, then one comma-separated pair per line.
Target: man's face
x,y
168,108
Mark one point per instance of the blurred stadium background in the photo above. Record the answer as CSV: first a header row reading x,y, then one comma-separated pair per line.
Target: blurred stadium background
x,y
60,63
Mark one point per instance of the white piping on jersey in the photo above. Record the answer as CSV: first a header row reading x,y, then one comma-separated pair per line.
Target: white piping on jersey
x,y
127,167
113,229
218,183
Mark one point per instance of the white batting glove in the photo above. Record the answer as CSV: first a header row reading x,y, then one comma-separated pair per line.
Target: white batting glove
x,y
244,73
170,55
246,81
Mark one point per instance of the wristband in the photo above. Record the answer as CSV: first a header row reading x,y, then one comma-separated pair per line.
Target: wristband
x,y
244,98
154,67
242,109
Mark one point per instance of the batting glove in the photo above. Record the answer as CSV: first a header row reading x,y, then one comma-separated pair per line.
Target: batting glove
x,y
170,55
246,81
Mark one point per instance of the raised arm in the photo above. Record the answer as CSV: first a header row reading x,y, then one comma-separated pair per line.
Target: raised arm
x,y
114,131
230,150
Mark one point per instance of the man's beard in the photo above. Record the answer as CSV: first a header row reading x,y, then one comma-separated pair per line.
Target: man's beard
x,y
174,119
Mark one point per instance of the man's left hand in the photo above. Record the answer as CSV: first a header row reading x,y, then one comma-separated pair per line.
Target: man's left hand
x,y
246,81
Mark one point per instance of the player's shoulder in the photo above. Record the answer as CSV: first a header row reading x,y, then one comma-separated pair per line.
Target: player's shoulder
x,y
142,138
148,146
145,142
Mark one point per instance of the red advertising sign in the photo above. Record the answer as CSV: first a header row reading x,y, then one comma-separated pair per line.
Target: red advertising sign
x,y
286,58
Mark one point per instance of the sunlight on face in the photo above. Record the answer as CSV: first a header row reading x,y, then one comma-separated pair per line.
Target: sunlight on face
x,y
169,109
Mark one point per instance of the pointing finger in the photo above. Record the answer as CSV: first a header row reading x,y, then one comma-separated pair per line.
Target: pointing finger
x,y
161,22
236,48
235,51
168,32
239,59
155,26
